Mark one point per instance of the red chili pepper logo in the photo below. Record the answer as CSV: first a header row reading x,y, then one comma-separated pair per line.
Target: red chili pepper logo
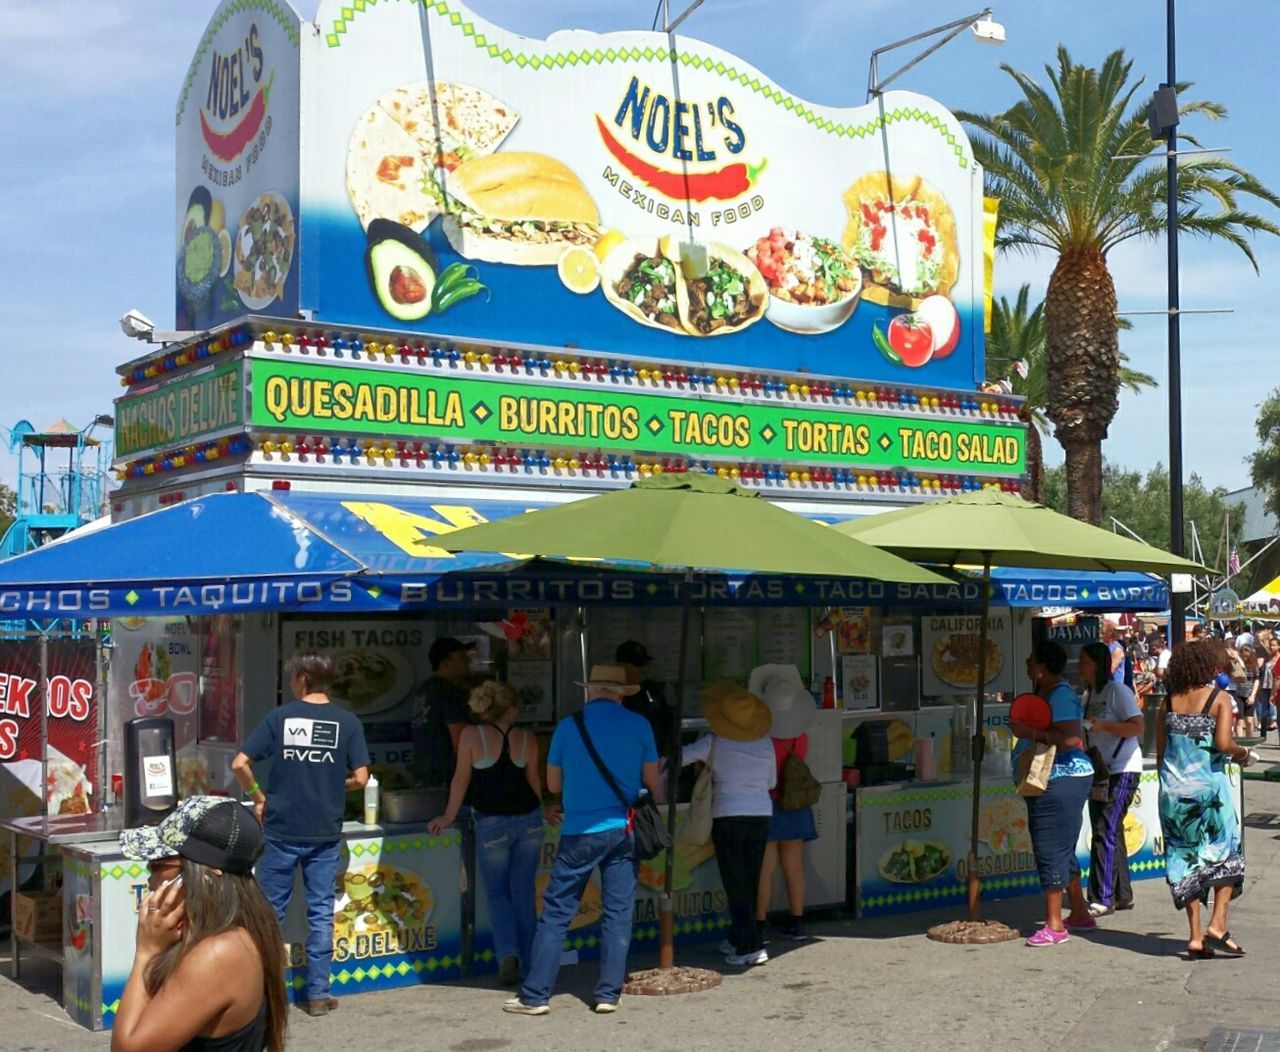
x,y
724,184
227,146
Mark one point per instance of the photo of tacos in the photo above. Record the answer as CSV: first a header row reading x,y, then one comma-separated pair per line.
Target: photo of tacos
x,y
640,280
519,208
814,284
731,296
915,861
902,232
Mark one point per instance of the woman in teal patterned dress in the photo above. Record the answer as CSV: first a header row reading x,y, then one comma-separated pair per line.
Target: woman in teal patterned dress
x,y
1201,828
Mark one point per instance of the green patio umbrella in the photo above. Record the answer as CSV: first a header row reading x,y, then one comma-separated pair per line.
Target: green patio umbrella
x,y
692,523
991,528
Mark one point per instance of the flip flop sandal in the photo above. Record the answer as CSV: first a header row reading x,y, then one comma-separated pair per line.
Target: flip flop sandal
x,y
1225,943
1202,954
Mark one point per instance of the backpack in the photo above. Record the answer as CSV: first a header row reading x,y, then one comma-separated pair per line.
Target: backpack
x,y
797,788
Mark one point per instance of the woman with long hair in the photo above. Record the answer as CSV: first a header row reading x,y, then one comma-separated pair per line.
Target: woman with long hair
x,y
1248,690
497,773
208,971
1199,821
1113,720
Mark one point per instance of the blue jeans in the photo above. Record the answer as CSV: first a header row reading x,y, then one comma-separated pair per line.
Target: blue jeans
x,y
507,850
319,864
614,852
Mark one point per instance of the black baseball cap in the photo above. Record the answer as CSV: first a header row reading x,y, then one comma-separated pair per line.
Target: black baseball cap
x,y
632,653
212,830
446,646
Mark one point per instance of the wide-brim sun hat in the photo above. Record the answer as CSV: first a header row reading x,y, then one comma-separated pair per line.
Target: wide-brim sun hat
x,y
212,830
782,689
611,678
734,713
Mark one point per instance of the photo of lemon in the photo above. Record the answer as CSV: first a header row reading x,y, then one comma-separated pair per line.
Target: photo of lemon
x,y
607,242
1135,833
579,270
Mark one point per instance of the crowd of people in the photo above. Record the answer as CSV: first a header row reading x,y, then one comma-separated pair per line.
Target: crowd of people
x,y
222,875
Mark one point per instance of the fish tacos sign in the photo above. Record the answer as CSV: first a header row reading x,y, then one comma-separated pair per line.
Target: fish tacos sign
x,y
629,194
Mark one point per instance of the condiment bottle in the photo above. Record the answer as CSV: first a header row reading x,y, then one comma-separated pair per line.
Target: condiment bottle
x,y
371,801
829,693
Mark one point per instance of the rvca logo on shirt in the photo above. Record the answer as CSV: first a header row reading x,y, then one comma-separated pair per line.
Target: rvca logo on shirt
x,y
311,741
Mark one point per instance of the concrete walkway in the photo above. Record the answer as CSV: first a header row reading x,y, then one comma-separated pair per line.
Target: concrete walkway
x,y
872,985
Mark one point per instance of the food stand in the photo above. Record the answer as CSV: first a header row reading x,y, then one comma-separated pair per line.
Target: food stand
x,y
515,272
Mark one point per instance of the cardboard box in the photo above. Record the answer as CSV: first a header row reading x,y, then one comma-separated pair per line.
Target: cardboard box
x,y
38,916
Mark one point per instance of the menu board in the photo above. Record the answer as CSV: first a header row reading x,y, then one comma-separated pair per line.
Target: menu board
x,y
786,638
949,653
608,626
860,682
728,645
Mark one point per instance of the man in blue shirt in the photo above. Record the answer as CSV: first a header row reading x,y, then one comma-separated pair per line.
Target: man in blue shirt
x,y
595,833
317,752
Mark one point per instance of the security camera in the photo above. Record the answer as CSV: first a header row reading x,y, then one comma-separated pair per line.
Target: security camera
x,y
137,325
988,30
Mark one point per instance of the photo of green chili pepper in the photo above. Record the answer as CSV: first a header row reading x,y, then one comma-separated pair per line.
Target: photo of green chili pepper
x,y
457,282
882,344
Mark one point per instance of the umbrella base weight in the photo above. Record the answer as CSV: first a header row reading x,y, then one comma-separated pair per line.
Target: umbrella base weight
x,y
661,982
973,933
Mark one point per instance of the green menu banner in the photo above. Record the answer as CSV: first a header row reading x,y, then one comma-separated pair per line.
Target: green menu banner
x,y
174,414
322,397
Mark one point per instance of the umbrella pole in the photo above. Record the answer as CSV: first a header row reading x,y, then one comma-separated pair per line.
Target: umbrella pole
x,y
667,918
978,745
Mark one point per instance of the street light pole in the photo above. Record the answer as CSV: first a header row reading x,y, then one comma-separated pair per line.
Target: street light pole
x,y
1177,602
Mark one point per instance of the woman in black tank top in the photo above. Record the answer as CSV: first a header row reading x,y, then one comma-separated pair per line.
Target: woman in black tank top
x,y
208,972
497,774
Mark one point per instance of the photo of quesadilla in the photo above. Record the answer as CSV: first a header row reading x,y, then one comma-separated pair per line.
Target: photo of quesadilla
x,y
520,208
902,232
402,146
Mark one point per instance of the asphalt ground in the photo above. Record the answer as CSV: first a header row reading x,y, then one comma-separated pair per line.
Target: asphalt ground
x,y
867,984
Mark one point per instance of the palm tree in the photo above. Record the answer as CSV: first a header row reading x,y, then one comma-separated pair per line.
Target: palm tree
x,y
1068,167
1018,336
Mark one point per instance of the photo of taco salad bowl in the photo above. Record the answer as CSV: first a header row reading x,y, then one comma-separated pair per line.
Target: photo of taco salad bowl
x,y
814,285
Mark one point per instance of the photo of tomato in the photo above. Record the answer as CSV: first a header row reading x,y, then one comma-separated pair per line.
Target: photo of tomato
x,y
911,339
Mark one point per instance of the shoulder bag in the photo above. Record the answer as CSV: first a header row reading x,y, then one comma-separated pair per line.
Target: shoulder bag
x,y
697,824
644,820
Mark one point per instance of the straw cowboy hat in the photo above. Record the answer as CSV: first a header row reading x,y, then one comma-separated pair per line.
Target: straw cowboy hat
x,y
734,713
612,678
789,700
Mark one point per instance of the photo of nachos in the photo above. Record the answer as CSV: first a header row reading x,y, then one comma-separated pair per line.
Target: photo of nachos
x,y
955,659
380,898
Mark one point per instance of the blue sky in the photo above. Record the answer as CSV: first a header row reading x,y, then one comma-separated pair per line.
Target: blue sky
x,y
89,90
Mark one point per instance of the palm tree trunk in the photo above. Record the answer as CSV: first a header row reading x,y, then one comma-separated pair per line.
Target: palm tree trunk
x,y
1084,480
1082,357
1034,489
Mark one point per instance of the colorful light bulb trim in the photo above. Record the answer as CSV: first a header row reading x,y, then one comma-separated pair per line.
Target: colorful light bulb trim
x,y
188,354
446,458
199,454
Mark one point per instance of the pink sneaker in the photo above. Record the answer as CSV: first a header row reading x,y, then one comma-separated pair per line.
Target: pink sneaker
x,y
1082,923
1046,936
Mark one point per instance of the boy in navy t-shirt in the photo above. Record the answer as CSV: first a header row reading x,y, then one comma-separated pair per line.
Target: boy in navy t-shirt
x,y
317,752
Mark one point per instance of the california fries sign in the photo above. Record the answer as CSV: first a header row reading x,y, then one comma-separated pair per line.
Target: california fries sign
x,y
625,194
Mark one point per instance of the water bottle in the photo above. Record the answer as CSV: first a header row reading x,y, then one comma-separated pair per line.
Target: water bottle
x,y
371,801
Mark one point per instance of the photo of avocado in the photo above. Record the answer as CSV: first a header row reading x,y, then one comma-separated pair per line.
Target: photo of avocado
x,y
401,268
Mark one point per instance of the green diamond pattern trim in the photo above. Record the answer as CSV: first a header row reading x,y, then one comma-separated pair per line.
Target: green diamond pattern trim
x,y
600,58
278,12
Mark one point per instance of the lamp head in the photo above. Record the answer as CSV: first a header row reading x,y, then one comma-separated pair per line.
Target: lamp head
x,y
988,31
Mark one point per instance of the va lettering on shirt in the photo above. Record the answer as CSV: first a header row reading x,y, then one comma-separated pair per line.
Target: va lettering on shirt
x,y
310,741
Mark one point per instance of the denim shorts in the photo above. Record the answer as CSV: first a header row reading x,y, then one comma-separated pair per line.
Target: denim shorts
x,y
1054,819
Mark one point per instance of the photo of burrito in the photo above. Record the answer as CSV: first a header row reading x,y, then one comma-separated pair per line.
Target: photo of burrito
x,y
639,278
520,208
729,297
902,232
